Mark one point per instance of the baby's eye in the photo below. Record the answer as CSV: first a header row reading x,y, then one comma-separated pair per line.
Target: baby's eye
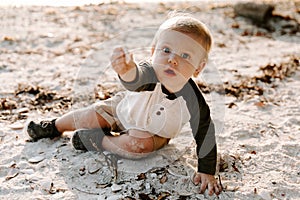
x,y
185,56
166,50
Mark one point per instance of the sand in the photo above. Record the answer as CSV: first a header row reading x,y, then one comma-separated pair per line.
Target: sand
x,y
56,59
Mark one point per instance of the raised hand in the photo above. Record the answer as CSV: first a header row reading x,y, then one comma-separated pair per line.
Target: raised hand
x,y
123,64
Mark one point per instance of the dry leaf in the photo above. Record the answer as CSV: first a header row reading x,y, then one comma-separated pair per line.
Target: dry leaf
x,y
260,104
145,196
163,179
163,195
12,174
235,25
8,38
141,176
253,152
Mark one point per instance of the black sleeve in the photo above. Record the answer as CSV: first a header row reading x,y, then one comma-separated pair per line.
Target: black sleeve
x,y
203,131
144,80
206,142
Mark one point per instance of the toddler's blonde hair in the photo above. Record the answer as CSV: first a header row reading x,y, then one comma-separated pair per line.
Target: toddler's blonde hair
x,y
186,24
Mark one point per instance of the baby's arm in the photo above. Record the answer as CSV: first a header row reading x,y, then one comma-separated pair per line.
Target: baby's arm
x,y
123,64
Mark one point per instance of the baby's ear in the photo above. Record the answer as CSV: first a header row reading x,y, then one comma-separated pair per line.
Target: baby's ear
x,y
152,50
200,68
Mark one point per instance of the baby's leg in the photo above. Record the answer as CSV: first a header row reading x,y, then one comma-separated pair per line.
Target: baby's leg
x,y
134,144
84,118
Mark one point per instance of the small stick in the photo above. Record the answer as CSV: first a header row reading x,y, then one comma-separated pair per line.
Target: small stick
x,y
94,193
220,182
112,162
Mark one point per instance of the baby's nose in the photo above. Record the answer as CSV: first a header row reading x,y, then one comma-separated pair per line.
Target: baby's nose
x,y
172,59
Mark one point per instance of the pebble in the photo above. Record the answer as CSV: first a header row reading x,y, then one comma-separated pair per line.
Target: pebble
x,y
101,197
12,174
114,197
153,175
23,110
120,161
177,170
12,163
23,164
93,166
16,126
265,194
104,176
116,188
93,169
147,186
184,193
2,134
46,184
82,171
36,159
27,171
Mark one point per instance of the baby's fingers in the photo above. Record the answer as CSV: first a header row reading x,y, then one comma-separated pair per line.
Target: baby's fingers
x,y
118,60
129,60
118,55
196,178
210,189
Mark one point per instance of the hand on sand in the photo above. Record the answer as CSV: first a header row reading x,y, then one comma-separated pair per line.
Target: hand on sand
x,y
207,181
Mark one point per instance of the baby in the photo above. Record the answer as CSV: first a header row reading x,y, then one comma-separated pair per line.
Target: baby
x,y
161,98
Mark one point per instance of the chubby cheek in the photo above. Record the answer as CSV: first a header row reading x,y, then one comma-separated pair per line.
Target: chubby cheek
x,y
158,71
158,65
159,60
187,73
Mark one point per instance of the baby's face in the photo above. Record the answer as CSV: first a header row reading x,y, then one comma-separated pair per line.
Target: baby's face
x,y
175,59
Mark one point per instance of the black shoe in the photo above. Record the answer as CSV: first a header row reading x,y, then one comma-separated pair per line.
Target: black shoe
x,y
89,139
45,129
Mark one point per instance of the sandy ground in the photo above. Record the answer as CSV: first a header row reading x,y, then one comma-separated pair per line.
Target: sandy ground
x,y
55,59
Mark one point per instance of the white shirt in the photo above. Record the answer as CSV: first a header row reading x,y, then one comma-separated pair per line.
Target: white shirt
x,y
151,111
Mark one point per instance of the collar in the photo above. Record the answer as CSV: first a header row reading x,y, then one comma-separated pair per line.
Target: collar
x,y
169,94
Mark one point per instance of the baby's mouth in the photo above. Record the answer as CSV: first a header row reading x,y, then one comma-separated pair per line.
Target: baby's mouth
x,y
170,72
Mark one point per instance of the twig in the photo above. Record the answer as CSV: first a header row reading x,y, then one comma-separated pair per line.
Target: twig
x,y
93,193
112,162
220,182
223,190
